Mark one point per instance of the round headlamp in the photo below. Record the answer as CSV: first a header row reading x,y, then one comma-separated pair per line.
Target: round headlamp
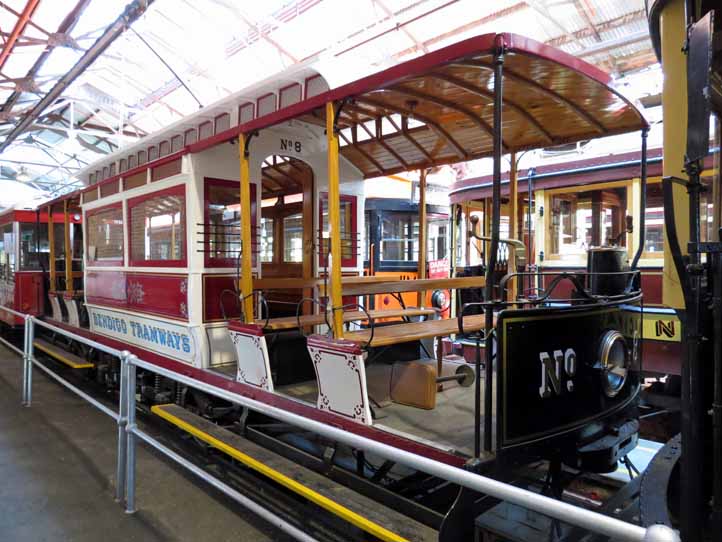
x,y
613,359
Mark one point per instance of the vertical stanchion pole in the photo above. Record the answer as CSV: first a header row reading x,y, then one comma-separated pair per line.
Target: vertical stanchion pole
x,y
246,285
130,452
493,248
423,234
334,221
122,423
30,323
26,350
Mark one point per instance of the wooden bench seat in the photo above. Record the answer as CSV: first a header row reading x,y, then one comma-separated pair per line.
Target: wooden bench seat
x,y
414,331
291,322
286,283
398,286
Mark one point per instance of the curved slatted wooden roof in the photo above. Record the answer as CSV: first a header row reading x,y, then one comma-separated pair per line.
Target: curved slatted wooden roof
x,y
438,108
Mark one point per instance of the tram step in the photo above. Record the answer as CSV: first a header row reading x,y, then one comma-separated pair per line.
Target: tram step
x,y
71,360
366,514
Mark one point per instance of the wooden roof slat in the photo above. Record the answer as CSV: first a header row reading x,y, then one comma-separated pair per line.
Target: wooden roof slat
x,y
280,171
511,74
357,148
385,145
479,91
404,130
469,113
433,125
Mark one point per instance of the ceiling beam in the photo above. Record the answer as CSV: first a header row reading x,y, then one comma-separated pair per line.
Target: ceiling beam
x,y
131,13
586,12
18,29
611,24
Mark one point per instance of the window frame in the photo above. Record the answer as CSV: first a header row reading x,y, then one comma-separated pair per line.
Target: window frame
x,y
106,262
177,190
578,260
208,260
352,261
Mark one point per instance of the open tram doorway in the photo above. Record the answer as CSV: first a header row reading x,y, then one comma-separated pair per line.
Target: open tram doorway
x,y
286,229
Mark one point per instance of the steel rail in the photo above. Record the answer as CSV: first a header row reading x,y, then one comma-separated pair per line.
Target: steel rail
x,y
568,513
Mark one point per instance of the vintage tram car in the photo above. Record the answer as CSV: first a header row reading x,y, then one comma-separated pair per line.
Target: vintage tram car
x,y
227,248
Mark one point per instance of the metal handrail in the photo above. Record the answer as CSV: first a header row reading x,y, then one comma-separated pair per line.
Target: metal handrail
x,y
127,428
128,431
568,513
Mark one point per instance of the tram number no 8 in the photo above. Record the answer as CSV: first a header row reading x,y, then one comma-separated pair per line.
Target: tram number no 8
x,y
551,371
290,145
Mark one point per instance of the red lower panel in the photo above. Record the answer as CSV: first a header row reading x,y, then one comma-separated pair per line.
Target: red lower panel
x,y
23,294
651,284
662,357
106,288
222,382
213,296
159,294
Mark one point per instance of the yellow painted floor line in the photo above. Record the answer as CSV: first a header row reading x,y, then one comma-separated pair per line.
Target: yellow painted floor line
x,y
63,359
322,501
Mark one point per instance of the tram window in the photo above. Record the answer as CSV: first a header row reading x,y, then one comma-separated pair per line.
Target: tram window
x,y
7,251
266,240
223,222
293,238
59,240
105,235
157,228
367,238
706,205
34,247
399,237
573,217
438,237
348,230
654,221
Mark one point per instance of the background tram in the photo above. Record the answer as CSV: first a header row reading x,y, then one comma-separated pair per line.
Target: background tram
x,y
25,259
391,249
593,202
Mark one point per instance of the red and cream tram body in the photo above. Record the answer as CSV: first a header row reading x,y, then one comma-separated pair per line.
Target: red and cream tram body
x,y
164,249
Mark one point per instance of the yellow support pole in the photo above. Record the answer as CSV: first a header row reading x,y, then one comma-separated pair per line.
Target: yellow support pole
x,y
334,221
68,250
51,241
246,248
674,106
421,299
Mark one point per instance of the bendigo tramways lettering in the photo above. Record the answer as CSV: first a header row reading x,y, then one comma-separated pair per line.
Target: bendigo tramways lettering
x,y
551,371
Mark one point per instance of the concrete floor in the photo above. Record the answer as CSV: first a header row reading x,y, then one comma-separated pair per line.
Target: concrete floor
x,y
57,470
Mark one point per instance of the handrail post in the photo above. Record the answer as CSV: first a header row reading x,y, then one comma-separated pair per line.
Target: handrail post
x,y
30,352
26,334
130,436
122,423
